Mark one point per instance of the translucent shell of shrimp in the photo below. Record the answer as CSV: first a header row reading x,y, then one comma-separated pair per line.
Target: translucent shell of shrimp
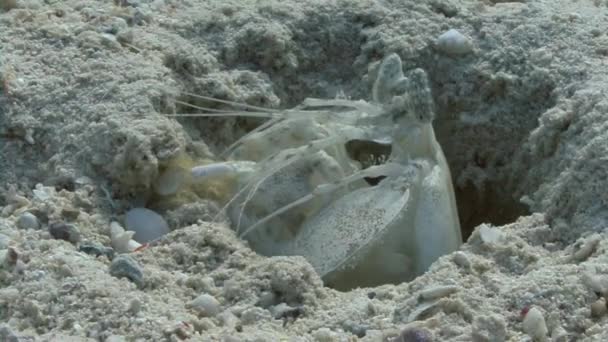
x,y
300,193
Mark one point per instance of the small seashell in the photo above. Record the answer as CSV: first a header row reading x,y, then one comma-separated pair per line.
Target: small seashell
x,y
454,43
122,241
147,224
534,325
437,292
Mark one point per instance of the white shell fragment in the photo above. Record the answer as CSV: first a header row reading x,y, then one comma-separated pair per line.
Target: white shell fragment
x,y
490,235
437,292
454,43
147,224
122,241
461,259
535,326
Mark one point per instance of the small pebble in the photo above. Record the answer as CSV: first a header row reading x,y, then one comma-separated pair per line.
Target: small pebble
x,y
534,325
414,335
598,308
435,292
461,259
454,43
123,266
147,224
96,249
28,220
490,235
64,231
134,306
206,305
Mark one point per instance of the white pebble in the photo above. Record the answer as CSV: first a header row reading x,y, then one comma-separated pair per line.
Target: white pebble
x,y
490,235
535,326
453,42
461,259
437,292
28,220
206,305
147,224
598,308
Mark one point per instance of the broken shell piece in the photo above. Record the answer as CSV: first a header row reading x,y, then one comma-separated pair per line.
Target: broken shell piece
x,y
490,235
535,326
122,240
437,292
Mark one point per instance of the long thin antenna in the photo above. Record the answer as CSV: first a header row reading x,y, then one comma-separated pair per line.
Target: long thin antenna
x,y
232,103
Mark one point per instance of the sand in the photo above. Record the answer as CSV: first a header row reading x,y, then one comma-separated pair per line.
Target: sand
x,y
522,120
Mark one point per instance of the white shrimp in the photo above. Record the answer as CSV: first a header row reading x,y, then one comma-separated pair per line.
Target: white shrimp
x,y
301,194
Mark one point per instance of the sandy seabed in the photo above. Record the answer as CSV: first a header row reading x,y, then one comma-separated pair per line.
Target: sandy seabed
x,y
522,119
